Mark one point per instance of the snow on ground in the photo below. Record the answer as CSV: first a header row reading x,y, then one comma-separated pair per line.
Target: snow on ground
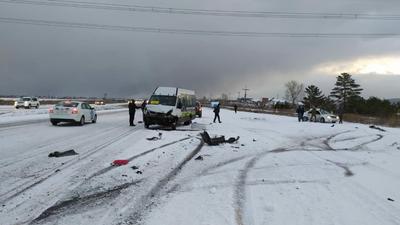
x,y
279,172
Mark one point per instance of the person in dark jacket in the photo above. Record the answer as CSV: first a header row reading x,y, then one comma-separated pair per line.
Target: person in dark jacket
x,y
313,114
216,113
132,111
300,112
340,112
235,107
144,105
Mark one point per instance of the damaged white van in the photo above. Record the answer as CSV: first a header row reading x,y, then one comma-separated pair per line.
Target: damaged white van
x,y
170,106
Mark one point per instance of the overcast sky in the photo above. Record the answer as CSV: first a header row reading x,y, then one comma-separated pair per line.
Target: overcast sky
x,y
40,60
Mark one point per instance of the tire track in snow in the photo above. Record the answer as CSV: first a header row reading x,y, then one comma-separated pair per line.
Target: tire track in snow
x,y
60,141
148,200
79,203
240,186
24,187
105,170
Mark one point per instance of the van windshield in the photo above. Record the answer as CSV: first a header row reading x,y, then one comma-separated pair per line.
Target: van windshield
x,y
162,100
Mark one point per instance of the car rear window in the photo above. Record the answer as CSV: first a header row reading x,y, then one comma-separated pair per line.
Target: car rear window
x,y
68,104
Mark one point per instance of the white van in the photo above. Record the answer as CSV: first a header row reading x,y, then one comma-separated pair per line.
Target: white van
x,y
170,106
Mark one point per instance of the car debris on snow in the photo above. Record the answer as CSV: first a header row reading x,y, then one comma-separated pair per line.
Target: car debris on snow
x,y
199,158
119,162
134,167
139,172
376,128
155,138
217,140
389,199
62,154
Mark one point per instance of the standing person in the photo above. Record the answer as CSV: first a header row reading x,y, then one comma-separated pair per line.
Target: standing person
x,y
235,107
216,113
340,112
132,111
300,112
143,105
313,114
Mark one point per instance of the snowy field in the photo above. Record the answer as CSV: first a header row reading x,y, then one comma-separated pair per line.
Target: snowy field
x,y
279,172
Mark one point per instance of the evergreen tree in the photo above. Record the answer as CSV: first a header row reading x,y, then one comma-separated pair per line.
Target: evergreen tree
x,y
345,89
314,96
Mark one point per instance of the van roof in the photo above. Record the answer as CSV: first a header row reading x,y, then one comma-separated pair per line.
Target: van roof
x,y
172,91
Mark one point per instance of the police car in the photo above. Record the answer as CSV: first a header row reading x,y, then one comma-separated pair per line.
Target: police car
x,y
72,111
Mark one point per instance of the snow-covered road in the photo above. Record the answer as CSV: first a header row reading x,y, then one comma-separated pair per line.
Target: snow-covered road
x,y
279,172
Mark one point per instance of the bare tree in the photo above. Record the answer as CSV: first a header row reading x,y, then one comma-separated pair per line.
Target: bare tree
x,y
293,91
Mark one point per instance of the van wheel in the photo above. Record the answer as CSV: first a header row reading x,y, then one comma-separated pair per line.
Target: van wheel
x,y
146,125
200,115
322,120
94,119
54,123
82,121
37,106
173,125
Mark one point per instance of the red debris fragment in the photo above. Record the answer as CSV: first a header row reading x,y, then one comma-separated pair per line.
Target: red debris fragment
x,y
120,162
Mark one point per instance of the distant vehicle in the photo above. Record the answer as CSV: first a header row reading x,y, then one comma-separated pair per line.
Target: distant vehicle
x,y
72,111
99,103
199,109
170,106
322,116
27,103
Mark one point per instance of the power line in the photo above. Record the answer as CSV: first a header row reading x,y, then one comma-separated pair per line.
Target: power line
x,y
208,12
194,32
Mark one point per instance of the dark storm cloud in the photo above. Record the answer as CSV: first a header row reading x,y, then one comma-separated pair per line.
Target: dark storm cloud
x,y
66,61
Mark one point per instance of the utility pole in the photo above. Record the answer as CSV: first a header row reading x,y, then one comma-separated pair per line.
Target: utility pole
x,y
245,93
238,95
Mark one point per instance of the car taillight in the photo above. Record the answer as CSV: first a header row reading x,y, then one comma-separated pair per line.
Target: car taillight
x,y
51,110
74,111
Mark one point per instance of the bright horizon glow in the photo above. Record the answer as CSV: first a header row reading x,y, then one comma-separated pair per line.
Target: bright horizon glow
x,y
388,65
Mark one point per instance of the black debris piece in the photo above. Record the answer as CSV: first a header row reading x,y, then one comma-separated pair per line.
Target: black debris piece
x,y
376,128
333,125
232,140
242,145
216,140
199,158
124,175
389,199
139,172
140,121
134,167
62,154
155,138
57,170
254,140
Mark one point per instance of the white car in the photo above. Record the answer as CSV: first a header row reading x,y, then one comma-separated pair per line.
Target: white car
x,y
72,111
322,116
27,103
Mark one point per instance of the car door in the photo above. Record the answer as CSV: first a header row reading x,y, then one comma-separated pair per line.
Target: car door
x,y
85,112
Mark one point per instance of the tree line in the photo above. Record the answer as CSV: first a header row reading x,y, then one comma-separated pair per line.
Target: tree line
x,y
345,96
